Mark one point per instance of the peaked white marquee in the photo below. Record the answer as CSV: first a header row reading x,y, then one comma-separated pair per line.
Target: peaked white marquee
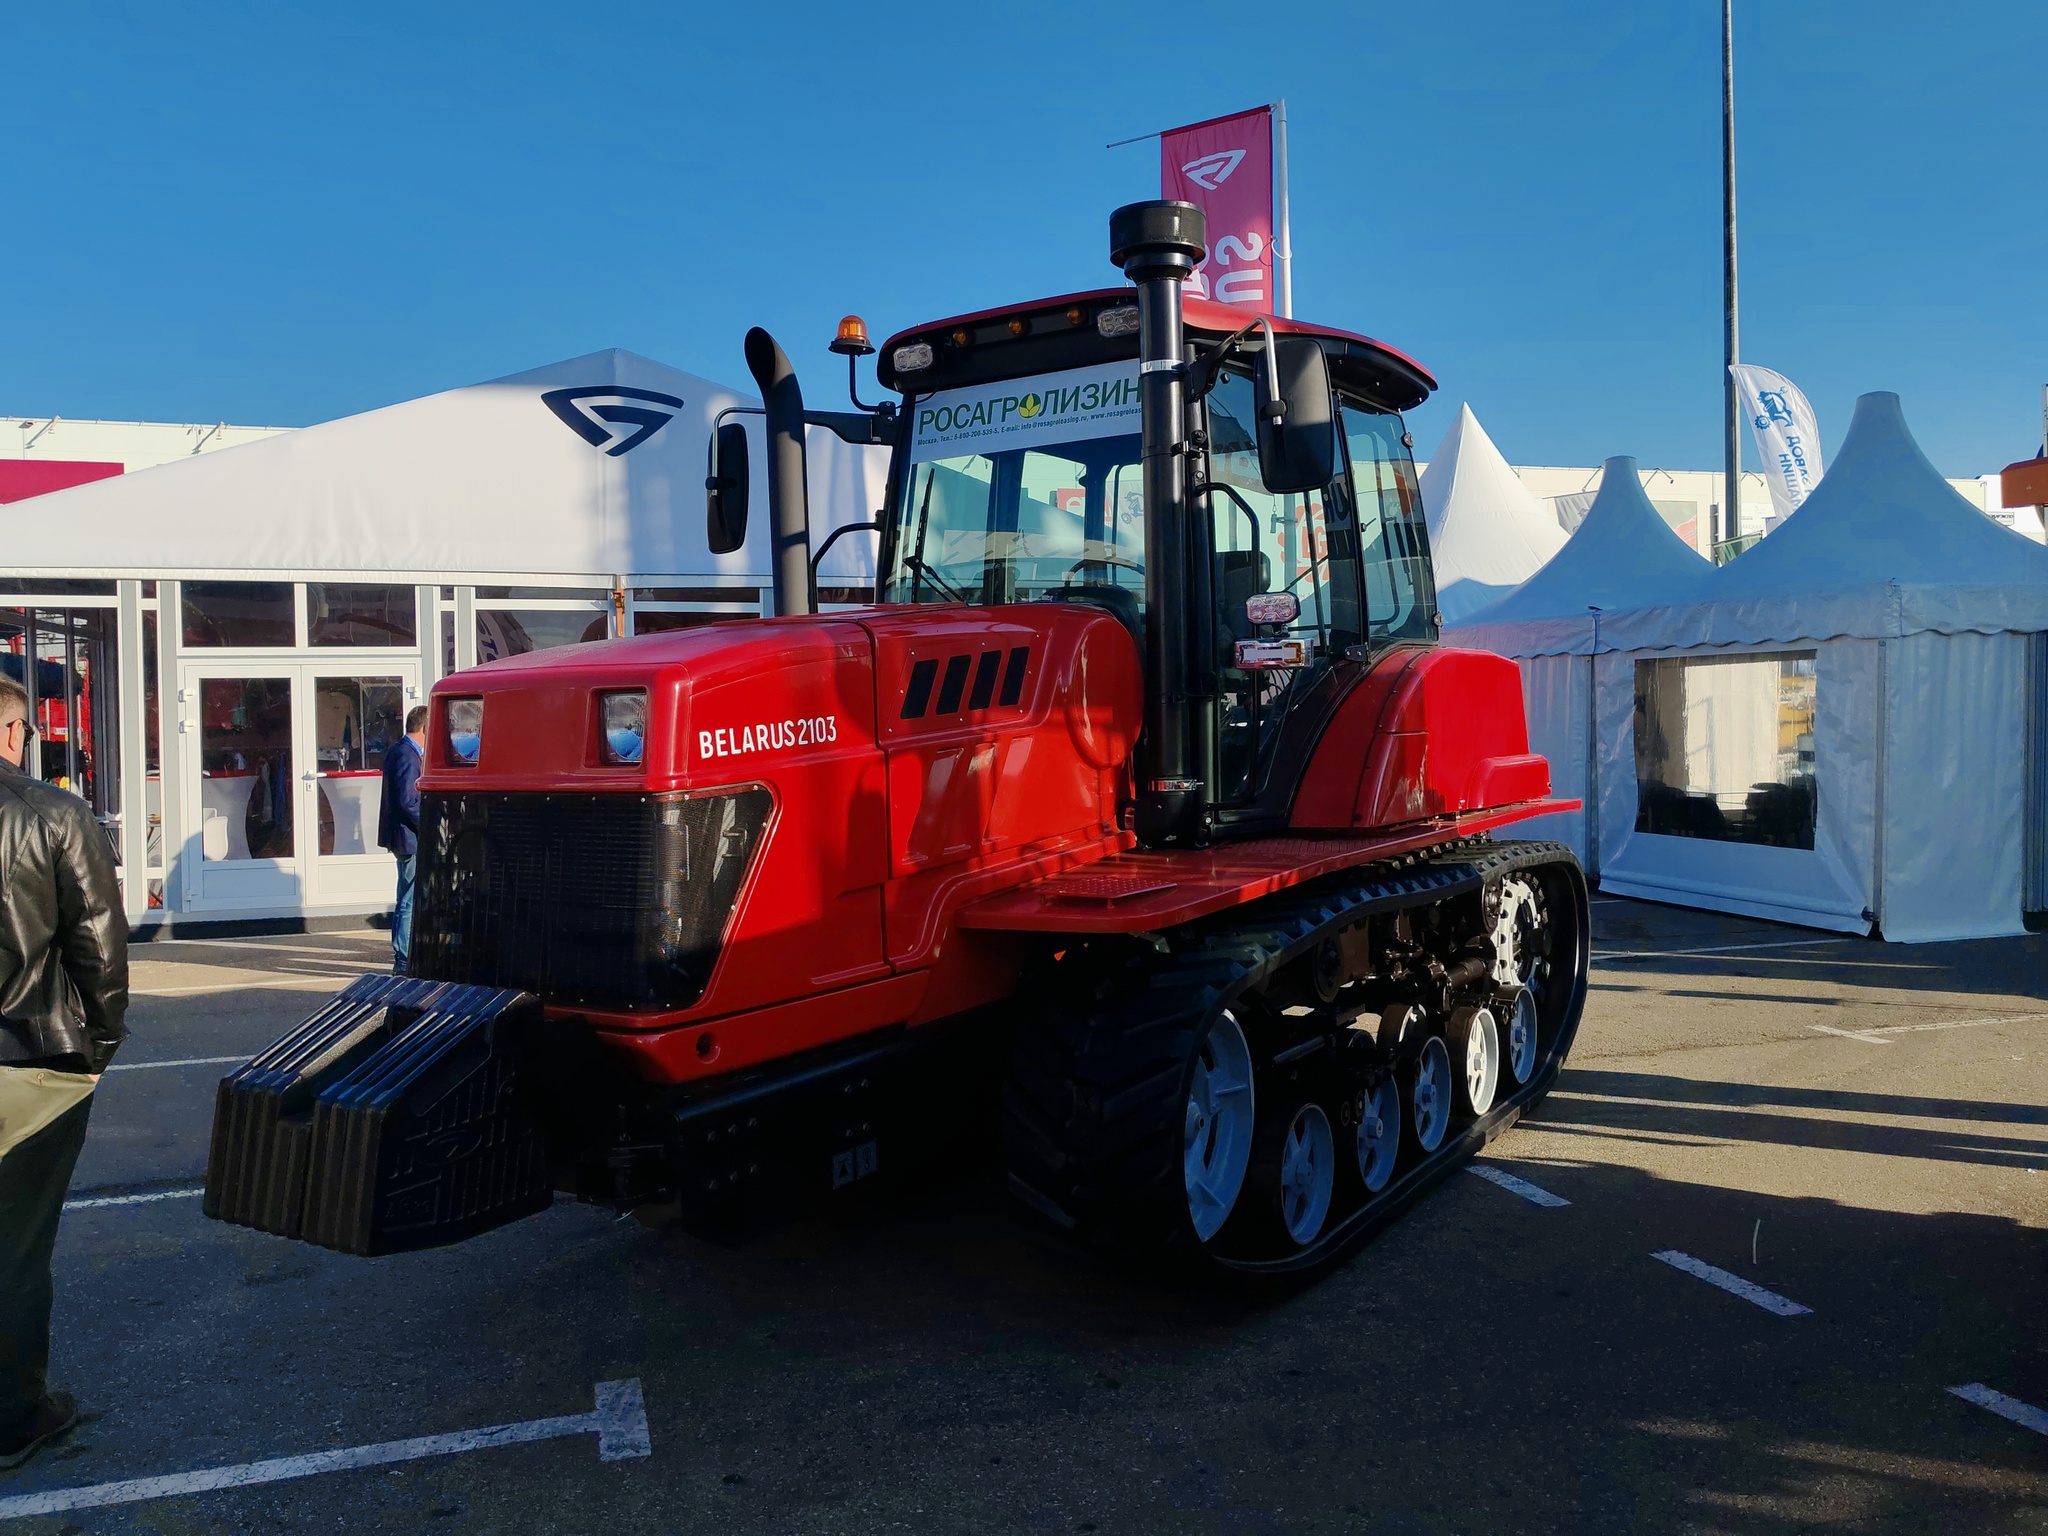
x,y
1622,555
1487,533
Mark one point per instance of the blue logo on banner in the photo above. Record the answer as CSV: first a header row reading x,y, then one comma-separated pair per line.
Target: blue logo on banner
x,y
598,415
1775,409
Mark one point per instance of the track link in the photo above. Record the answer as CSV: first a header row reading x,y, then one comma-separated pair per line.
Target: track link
x,y
1097,1090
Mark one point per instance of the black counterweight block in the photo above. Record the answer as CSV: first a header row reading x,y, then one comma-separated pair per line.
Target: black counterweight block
x,y
430,1140
263,1110
391,1119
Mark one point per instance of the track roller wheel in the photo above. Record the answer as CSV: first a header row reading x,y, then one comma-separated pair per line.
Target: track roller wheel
x,y
1379,1134
1473,1039
1519,1057
1429,1094
1293,1177
1218,1118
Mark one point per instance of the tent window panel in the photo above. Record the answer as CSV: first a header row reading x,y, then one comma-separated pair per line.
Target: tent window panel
x,y
1724,748
231,613
502,632
357,613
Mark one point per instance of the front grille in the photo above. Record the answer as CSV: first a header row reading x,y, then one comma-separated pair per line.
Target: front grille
x,y
610,901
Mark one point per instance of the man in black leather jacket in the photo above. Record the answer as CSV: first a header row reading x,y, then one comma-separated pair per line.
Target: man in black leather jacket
x,y
63,991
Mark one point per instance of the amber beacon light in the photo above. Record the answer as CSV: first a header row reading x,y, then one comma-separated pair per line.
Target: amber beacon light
x,y
852,340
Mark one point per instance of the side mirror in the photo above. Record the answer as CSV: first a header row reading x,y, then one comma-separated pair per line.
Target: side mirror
x,y
1298,450
726,489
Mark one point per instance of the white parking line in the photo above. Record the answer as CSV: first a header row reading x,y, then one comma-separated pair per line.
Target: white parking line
x,y
1514,1186
2026,1415
1734,1285
1716,949
153,1195
239,986
182,1061
1876,1033
619,1422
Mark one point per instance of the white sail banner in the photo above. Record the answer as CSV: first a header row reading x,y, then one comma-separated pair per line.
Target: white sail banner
x,y
1787,439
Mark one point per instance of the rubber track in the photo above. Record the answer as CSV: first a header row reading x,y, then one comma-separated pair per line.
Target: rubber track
x,y
1093,1100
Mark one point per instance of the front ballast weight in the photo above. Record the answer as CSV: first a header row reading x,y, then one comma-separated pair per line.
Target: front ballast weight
x,y
392,1119
1285,1079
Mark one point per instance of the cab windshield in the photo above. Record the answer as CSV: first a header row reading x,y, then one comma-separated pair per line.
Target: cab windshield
x,y
1019,490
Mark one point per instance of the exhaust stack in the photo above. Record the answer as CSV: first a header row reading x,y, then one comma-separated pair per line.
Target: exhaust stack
x,y
789,502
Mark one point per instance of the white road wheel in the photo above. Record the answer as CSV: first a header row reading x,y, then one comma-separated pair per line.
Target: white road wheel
x,y
1429,1095
1308,1173
1218,1126
1379,1135
1521,1042
1474,1041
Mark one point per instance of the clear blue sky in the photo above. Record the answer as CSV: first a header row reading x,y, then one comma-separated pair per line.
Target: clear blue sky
x,y
283,214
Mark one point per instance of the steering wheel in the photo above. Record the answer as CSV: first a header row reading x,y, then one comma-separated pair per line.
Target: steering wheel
x,y
1116,560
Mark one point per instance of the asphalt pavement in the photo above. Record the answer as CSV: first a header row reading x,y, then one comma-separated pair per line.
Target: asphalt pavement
x,y
1797,1192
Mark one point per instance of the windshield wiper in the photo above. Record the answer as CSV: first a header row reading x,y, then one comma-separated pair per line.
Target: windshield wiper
x,y
917,563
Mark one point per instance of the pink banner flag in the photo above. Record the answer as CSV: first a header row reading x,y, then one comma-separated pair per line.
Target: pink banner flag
x,y
1225,168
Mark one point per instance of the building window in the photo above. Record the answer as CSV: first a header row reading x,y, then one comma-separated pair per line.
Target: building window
x,y
242,613
1724,748
656,621
361,614
502,632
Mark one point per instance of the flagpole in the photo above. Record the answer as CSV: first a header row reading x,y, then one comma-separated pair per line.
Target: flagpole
x,y
1283,240
1731,417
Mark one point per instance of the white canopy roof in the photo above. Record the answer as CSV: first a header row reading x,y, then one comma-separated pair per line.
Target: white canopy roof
x,y
1883,547
592,467
1487,533
1623,555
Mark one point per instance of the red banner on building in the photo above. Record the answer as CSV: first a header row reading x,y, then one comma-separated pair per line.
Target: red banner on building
x,y
1225,168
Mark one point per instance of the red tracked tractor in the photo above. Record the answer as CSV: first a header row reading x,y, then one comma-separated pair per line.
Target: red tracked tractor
x,y
1144,787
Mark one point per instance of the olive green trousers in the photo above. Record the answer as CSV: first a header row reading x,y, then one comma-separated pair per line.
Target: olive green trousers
x,y
34,1175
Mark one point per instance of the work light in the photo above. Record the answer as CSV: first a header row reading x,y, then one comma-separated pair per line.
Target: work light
x,y
623,722
463,719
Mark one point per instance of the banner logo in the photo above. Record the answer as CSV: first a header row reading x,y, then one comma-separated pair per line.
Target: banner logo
x,y
1073,406
600,416
1211,171
1775,411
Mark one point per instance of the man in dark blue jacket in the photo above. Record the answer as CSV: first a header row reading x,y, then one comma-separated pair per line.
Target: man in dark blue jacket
x,y
398,823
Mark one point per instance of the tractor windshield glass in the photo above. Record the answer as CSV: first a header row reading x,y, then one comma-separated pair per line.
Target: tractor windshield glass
x,y
1021,489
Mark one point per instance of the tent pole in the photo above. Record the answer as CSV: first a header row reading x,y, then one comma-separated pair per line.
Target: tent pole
x,y
1731,418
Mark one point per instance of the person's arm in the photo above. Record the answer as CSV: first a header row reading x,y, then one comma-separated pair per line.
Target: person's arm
x,y
409,792
92,932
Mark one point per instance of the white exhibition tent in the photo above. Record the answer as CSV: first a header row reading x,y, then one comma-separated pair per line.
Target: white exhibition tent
x,y
1909,627
1622,555
1487,533
491,480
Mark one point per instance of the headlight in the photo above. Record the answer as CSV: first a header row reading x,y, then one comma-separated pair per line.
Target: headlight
x,y
914,358
623,725
465,726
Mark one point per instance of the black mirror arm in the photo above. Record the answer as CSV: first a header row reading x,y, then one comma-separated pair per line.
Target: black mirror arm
x,y
1202,373
873,526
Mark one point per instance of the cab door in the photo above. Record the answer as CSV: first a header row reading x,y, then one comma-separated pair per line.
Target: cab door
x,y
1304,546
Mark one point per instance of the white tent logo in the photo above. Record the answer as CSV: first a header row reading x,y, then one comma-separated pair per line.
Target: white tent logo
x,y
600,416
1211,171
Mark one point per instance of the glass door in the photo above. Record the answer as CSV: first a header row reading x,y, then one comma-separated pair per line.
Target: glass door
x,y
357,719
284,775
238,725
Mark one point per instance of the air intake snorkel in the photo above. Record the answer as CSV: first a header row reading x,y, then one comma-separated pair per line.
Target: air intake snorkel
x,y
1158,245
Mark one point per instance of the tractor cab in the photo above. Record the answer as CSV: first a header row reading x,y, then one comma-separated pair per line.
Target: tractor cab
x,y
1019,476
